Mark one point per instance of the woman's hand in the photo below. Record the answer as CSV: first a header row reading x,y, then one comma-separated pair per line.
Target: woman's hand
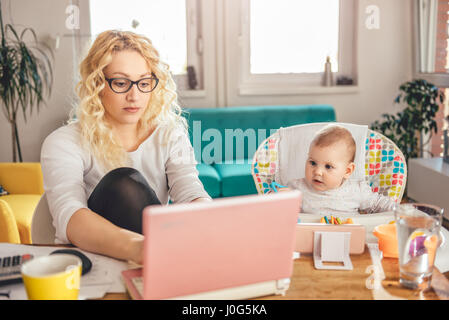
x,y
83,231
136,249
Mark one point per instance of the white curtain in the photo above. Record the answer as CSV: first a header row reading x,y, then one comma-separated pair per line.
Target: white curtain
x,y
427,14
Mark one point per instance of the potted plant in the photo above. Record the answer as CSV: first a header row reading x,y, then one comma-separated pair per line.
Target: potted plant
x,y
25,76
408,127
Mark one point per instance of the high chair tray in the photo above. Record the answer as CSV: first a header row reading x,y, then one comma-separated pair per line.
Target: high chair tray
x,y
369,221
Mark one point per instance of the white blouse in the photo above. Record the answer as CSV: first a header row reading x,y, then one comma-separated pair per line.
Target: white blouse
x,y
71,173
346,199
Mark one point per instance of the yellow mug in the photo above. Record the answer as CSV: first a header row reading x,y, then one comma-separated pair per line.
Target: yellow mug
x,y
53,277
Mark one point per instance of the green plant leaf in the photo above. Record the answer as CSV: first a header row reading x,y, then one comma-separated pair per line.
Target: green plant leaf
x,y
26,73
418,115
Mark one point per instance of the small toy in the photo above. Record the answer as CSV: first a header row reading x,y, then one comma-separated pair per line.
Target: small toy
x,y
275,185
335,220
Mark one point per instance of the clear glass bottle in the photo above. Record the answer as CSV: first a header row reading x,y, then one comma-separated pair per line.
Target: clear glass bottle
x,y
327,76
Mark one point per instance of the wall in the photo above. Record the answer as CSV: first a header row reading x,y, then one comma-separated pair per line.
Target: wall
x,y
45,17
384,62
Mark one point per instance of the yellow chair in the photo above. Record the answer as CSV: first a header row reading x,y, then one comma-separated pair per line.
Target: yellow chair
x,y
8,226
24,182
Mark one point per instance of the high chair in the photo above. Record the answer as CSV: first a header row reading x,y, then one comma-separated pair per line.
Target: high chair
x,y
281,158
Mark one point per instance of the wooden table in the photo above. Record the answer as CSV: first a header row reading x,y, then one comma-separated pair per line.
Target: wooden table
x,y
309,283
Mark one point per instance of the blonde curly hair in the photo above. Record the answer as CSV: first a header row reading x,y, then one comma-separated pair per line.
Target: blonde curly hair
x,y
162,108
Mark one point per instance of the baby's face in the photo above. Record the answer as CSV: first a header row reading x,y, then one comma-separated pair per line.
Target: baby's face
x,y
326,167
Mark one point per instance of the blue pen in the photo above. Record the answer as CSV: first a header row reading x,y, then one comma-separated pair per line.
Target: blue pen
x,y
275,184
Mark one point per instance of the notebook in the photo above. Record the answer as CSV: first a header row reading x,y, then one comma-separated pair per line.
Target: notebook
x,y
230,248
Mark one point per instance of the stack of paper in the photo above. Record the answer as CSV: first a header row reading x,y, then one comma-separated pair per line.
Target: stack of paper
x,y
105,275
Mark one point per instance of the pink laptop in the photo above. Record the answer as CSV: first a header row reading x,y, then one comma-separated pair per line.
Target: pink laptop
x,y
230,248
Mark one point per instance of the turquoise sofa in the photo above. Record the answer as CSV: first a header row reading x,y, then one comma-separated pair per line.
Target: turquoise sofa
x,y
225,140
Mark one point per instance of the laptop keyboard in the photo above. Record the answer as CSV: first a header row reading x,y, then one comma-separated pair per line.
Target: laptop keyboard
x,y
138,284
10,268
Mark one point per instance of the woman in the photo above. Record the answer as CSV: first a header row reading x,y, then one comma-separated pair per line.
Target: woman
x,y
127,149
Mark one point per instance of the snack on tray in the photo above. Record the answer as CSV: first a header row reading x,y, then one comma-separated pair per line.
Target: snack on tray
x,y
335,220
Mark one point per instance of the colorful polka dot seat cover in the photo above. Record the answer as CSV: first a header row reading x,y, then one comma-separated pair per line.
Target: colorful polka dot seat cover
x,y
385,166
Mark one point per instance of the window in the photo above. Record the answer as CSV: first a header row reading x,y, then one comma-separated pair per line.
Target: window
x,y
279,30
282,46
431,21
170,24
241,49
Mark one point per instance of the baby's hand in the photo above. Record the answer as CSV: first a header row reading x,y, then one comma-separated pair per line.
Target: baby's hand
x,y
284,189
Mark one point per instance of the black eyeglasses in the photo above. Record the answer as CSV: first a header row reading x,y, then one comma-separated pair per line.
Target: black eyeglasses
x,y
123,85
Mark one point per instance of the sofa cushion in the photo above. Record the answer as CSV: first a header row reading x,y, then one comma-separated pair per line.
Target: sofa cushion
x,y
23,206
236,179
8,226
22,177
210,179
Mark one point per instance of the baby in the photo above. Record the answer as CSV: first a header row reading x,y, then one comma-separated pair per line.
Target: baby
x,y
326,187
